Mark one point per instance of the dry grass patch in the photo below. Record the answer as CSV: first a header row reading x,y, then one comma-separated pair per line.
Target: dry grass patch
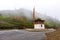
x,y
53,35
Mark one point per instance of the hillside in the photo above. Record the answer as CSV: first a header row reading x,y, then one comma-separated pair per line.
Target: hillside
x,y
49,21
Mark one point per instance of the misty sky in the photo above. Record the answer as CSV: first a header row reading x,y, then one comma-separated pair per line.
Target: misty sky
x,y
47,7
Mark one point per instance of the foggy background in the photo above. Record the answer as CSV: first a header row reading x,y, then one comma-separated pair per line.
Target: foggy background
x,y
46,7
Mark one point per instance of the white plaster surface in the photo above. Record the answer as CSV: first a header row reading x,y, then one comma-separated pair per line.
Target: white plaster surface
x,y
38,26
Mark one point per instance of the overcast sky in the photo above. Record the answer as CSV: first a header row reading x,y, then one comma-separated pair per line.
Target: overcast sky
x,y
48,7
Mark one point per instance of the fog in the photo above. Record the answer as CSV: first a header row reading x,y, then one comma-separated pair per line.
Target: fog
x,y
47,7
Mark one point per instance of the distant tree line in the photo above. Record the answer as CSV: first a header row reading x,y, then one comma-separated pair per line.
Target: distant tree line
x,y
12,23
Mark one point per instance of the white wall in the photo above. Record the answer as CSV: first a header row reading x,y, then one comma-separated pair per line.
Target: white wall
x,y
39,26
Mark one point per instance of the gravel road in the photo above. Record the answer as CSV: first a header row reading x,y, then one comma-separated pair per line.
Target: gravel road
x,y
21,35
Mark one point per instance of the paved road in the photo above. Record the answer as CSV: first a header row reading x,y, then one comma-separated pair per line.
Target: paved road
x,y
21,35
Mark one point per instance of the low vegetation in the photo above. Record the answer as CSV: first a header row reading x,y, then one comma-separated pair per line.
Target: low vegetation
x,y
20,23
13,23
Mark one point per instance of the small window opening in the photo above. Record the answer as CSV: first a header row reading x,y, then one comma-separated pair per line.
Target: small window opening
x,y
41,25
